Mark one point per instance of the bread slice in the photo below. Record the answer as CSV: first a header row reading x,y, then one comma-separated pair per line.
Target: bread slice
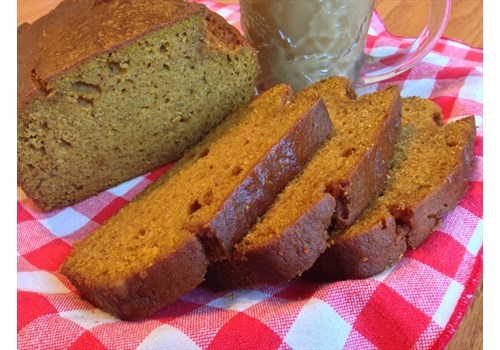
x,y
109,90
428,178
334,188
157,247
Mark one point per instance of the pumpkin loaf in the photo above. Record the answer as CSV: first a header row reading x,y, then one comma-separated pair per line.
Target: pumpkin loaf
x,y
158,246
334,188
111,89
429,176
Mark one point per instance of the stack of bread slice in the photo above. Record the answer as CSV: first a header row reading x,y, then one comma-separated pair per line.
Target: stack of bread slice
x,y
350,168
428,177
317,183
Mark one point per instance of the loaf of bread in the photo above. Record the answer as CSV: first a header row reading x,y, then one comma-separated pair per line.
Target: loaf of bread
x,y
429,176
158,246
334,188
111,89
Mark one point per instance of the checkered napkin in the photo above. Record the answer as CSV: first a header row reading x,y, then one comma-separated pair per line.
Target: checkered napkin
x,y
416,304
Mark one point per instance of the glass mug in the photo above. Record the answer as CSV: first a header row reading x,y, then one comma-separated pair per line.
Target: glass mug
x,y
300,42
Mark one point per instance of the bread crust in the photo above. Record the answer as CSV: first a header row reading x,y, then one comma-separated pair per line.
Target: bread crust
x,y
370,252
146,292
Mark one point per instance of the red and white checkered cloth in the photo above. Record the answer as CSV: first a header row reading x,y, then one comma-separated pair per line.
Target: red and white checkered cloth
x,y
417,304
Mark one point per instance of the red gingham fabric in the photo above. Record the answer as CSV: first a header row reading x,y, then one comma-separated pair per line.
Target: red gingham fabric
x,y
416,304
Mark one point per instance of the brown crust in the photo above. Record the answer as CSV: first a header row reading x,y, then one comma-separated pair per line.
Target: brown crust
x,y
147,292
282,259
222,33
253,197
45,50
359,257
373,251
356,192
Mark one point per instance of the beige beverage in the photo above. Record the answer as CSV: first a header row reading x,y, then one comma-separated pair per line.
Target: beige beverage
x,y
303,41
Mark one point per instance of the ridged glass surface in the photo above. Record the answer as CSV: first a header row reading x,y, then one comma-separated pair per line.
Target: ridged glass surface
x,y
304,41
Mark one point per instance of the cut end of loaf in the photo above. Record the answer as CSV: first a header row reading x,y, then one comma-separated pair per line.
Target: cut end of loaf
x,y
122,112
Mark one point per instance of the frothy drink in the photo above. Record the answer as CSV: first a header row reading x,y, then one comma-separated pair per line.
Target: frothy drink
x,y
303,41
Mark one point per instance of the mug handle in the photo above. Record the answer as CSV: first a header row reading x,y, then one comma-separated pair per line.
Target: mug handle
x,y
378,68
